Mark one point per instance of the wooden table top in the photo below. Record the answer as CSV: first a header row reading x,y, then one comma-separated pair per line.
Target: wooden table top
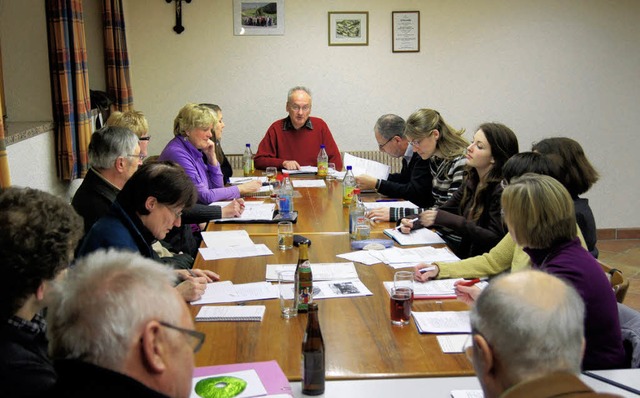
x,y
360,341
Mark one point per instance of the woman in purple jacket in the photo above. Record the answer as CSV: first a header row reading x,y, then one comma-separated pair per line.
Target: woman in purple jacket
x,y
193,149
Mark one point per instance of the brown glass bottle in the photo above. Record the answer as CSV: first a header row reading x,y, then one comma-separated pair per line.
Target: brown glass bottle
x,y
313,371
303,279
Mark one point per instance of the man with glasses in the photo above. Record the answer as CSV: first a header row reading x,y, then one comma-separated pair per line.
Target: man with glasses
x,y
413,183
295,140
117,328
528,337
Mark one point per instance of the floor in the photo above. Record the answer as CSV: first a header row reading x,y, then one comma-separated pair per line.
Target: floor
x,y
624,254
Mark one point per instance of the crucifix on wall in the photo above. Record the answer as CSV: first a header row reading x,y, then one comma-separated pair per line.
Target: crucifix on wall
x,y
178,28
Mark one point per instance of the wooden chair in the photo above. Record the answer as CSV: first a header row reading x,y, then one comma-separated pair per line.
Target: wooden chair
x,y
619,282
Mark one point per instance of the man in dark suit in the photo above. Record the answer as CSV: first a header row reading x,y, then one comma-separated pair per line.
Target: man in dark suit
x,y
413,183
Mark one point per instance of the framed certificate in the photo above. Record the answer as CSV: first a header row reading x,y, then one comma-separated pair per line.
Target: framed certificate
x,y
406,31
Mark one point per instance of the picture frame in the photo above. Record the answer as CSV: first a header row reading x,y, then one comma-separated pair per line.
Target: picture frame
x,y
406,31
348,28
258,18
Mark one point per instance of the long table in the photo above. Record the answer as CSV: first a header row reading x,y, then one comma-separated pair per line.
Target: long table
x,y
359,339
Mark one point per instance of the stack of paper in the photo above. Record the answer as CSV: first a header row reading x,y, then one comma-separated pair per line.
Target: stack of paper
x,y
230,244
304,170
365,166
253,210
421,236
320,271
233,313
397,257
435,289
442,321
227,292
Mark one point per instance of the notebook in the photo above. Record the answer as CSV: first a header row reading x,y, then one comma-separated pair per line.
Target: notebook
x,y
422,236
231,313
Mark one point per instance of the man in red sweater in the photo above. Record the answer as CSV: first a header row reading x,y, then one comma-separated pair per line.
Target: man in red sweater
x,y
295,140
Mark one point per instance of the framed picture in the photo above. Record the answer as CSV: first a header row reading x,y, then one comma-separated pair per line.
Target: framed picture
x,y
406,31
350,28
258,18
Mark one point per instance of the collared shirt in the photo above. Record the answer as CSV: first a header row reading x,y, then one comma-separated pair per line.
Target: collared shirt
x,y
36,325
287,125
408,154
102,177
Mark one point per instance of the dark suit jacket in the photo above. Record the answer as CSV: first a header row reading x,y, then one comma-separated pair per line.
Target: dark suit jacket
x,y
413,183
93,198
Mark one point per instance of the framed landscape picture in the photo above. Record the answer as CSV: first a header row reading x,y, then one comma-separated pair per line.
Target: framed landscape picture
x,y
258,18
349,28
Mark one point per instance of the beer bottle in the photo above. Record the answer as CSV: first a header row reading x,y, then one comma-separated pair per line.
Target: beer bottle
x,y
303,279
313,355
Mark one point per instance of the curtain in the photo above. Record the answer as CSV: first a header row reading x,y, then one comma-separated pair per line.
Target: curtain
x,y
116,55
69,86
5,177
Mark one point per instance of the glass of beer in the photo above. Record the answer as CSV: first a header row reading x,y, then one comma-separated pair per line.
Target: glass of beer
x,y
285,235
401,298
272,173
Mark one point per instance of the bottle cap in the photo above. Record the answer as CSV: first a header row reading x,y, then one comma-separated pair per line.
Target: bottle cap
x,y
313,306
348,167
248,145
322,146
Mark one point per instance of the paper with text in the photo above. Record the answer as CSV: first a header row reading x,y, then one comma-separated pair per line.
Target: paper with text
x,y
365,166
253,210
320,271
439,288
217,253
309,184
422,236
452,343
336,289
227,292
442,321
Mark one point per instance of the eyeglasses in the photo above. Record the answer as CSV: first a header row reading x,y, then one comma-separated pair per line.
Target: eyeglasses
x,y
388,141
416,142
504,183
297,108
145,138
141,157
177,213
196,339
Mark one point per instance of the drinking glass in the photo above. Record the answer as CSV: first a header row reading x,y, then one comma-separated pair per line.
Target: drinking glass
x,y
331,171
271,173
401,298
285,235
288,307
363,231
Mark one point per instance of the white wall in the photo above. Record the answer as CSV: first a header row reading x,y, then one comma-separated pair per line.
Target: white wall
x,y
544,68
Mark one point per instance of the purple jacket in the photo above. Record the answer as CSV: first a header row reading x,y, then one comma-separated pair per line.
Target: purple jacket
x,y
576,266
207,179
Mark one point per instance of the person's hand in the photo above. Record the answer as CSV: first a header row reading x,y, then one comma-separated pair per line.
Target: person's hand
x,y
379,214
406,225
251,186
192,289
428,218
426,275
210,276
291,165
233,209
467,294
210,152
366,181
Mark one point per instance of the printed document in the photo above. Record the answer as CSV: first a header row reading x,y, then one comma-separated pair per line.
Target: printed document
x,y
336,289
320,271
366,166
422,236
439,288
257,210
227,292
442,321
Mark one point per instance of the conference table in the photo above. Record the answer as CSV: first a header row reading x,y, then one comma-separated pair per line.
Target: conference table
x,y
360,341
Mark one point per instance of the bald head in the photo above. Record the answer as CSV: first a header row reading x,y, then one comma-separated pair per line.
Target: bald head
x,y
533,322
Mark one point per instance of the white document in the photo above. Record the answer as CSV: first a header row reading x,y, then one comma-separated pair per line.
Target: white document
x,y
452,343
227,292
254,387
413,256
219,252
320,271
366,166
242,180
253,211
467,394
302,183
231,313
397,203
304,170
360,256
438,288
336,289
226,238
442,321
422,236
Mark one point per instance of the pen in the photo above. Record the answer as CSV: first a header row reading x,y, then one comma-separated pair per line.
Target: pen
x,y
470,282
400,226
426,269
192,273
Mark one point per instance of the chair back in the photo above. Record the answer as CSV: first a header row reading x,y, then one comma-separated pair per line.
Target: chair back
x,y
619,283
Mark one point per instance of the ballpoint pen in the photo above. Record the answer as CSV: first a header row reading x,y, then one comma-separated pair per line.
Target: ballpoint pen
x,y
469,282
400,226
427,269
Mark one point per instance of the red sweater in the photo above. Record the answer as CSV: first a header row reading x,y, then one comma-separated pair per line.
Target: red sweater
x,y
283,142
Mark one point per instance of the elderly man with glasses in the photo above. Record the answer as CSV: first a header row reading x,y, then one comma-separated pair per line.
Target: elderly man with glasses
x,y
117,328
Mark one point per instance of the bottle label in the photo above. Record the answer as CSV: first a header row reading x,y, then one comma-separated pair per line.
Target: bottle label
x,y
323,169
304,286
347,196
246,167
313,372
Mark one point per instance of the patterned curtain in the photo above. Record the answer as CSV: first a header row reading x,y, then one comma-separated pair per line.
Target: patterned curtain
x,y
5,177
69,86
116,55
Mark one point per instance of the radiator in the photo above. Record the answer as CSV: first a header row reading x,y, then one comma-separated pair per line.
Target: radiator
x,y
378,156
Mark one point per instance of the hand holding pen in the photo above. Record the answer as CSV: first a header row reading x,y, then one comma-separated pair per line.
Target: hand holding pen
x,y
425,272
466,291
406,225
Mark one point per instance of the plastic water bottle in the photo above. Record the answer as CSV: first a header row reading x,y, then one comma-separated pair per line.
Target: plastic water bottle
x,y
323,162
357,212
348,185
247,161
285,199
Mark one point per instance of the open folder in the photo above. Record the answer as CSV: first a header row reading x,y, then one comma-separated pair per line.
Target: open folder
x,y
257,213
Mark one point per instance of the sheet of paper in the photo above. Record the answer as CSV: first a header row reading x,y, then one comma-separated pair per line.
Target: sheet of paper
x,y
308,183
219,252
442,321
254,387
467,394
422,236
398,203
320,271
227,292
366,166
242,180
226,238
438,288
452,343
257,210
414,255
231,313
304,170
360,256
336,289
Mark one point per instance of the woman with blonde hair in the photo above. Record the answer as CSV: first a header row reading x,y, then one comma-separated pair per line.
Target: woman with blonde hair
x,y
433,138
193,149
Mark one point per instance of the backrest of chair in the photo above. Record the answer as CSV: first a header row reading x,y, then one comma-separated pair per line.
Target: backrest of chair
x,y
619,282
